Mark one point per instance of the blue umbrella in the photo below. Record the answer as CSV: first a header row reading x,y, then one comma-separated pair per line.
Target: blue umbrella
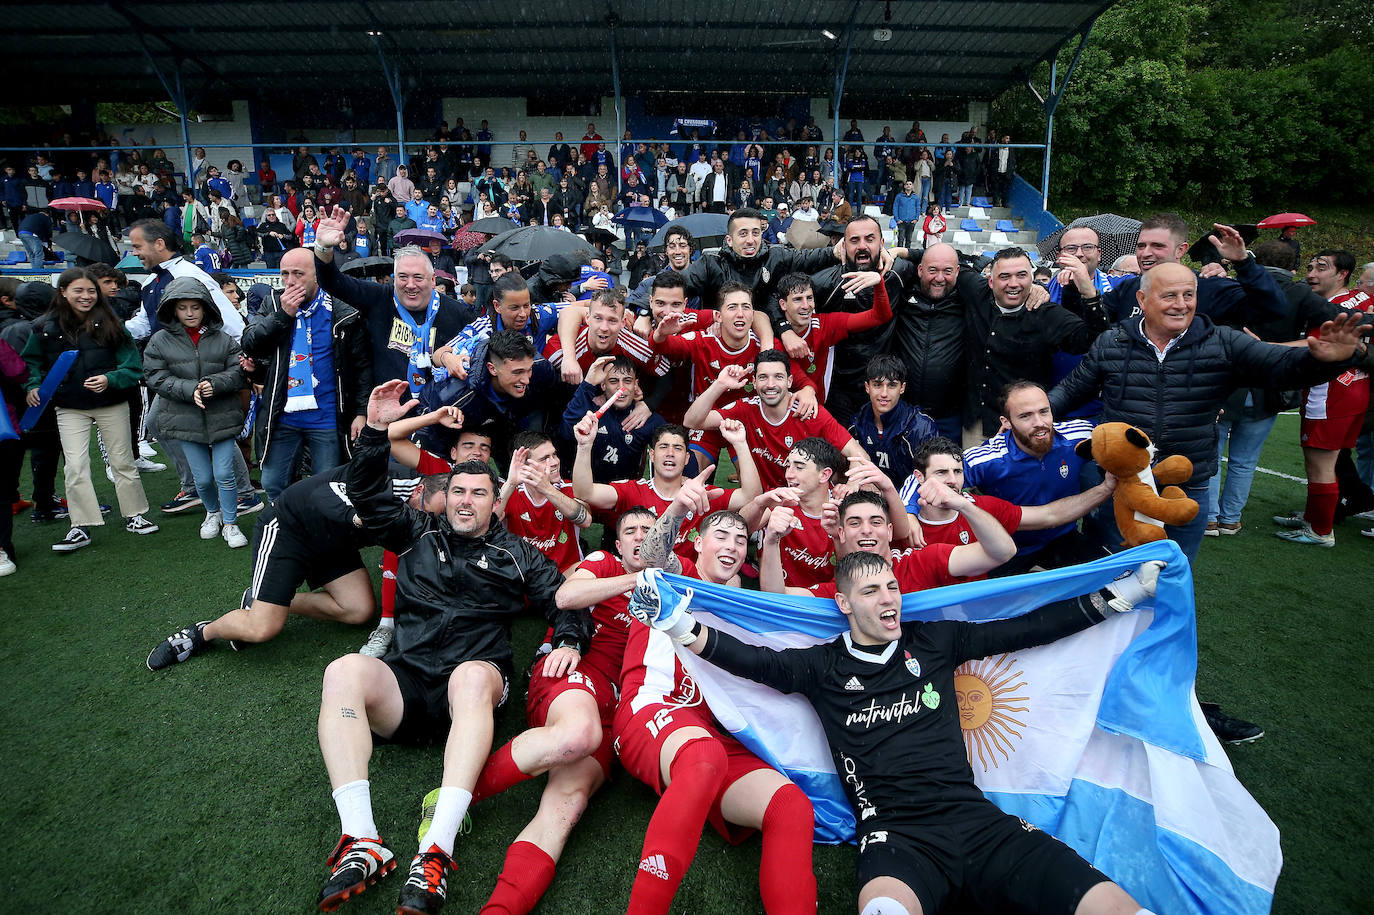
x,y
644,217
707,228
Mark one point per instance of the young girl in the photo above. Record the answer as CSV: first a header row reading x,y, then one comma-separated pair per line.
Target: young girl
x,y
194,365
934,226
305,226
94,391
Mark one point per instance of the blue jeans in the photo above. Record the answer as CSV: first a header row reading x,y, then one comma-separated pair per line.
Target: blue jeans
x,y
965,195
280,459
33,247
1246,442
925,192
946,196
213,468
1364,458
1187,536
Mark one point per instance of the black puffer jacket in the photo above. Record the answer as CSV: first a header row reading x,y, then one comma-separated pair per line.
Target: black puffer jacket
x,y
760,273
1176,401
456,596
173,366
267,341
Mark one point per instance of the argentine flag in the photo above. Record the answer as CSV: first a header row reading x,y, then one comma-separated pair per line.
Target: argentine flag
x,y
1097,738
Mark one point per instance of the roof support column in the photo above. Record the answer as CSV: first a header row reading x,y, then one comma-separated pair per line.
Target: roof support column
x,y
392,74
841,72
1051,105
177,93
612,20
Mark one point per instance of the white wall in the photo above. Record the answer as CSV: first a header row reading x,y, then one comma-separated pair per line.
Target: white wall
x,y
506,118
167,137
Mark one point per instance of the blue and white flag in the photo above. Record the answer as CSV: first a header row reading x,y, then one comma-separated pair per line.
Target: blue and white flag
x,y
1098,738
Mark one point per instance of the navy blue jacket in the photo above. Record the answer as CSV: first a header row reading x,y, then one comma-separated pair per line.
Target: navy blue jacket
x,y
893,449
1251,296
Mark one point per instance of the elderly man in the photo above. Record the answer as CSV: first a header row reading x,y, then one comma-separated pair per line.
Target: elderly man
x,y
1170,371
408,321
318,373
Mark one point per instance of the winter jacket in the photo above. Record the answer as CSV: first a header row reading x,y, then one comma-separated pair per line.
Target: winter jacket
x,y
893,450
1251,296
929,337
31,301
239,243
173,366
907,207
456,596
274,236
267,341
120,364
1176,401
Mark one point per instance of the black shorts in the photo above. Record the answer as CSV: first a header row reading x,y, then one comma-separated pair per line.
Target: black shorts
x,y
990,862
425,716
284,557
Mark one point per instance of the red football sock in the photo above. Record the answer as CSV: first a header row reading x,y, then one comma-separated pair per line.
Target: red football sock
x,y
675,828
786,881
390,563
527,873
1321,506
498,773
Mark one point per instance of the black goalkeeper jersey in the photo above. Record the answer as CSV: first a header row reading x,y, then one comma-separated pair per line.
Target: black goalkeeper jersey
x,y
891,718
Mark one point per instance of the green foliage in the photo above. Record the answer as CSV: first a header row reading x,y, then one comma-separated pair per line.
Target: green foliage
x,y
1211,102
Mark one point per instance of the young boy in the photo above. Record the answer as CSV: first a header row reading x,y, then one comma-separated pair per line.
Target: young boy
x,y
616,451
889,428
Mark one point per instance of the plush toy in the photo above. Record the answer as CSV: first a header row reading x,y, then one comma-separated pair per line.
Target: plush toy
x,y
1141,508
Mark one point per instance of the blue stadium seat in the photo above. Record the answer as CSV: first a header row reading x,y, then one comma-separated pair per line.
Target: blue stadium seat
x,y
982,202
250,222
970,225
1006,225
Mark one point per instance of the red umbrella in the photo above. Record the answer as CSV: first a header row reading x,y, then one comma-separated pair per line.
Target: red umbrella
x,y
465,239
81,204
1281,220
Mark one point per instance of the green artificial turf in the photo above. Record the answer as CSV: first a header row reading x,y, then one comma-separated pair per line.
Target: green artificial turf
x,y
201,789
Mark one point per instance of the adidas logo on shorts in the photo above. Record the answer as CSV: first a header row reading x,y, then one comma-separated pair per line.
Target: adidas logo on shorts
x,y
854,685
655,865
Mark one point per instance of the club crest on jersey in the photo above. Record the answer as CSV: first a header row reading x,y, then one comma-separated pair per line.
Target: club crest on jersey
x,y
482,561
963,536
1064,469
629,439
765,275
558,514
787,440
913,665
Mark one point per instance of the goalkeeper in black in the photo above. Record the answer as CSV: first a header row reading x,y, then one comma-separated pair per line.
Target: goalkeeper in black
x,y
884,692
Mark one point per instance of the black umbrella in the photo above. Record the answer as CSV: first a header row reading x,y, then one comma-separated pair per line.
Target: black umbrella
x,y
831,228
536,243
368,266
1116,235
708,229
490,225
1204,252
87,247
598,236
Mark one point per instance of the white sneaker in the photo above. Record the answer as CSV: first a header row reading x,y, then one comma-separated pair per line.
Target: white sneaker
x,y
233,536
378,642
144,465
146,450
7,566
210,527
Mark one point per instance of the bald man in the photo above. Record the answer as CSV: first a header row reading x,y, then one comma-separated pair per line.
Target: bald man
x,y
1169,370
312,355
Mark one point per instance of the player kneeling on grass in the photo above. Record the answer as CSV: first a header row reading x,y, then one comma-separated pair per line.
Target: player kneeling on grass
x,y
569,717
929,836
667,738
463,578
311,535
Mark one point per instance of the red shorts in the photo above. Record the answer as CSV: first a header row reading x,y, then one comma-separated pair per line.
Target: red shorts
x,y
639,740
588,679
1332,433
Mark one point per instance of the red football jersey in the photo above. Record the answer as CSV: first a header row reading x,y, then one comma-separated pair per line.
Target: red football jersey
x,y
431,463
1347,394
770,444
611,617
808,555
544,527
708,356
642,492
830,328
916,570
651,673
630,344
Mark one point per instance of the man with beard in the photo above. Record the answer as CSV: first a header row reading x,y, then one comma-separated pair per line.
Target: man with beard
x,y
836,289
940,459
1033,462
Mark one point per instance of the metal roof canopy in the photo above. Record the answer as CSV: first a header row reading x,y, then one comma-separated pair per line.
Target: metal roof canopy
x,y
961,49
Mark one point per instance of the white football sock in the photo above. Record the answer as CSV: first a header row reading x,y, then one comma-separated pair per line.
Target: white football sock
x,y
884,905
354,801
448,814
387,622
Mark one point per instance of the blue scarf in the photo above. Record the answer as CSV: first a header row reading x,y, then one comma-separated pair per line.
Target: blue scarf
x,y
420,362
300,377
308,235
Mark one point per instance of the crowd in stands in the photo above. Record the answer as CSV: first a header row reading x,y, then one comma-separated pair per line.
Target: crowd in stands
x,y
477,434
459,176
